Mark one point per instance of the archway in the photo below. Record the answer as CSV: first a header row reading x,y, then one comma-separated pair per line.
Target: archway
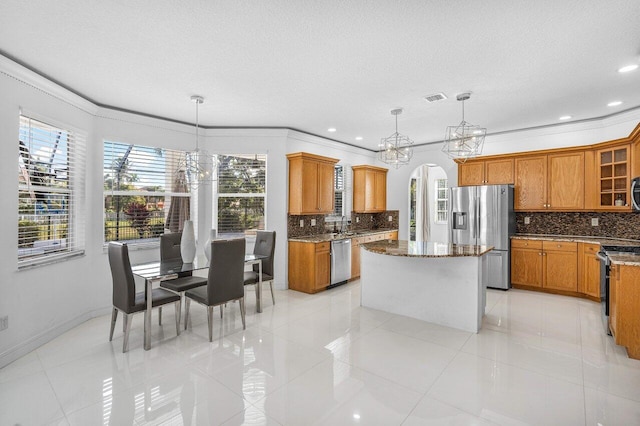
x,y
428,204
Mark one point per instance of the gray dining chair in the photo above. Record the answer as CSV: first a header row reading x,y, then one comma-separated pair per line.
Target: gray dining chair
x,y
169,250
265,246
125,298
225,280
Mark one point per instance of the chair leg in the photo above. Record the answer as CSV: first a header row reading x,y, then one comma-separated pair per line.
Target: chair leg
x,y
210,321
273,299
242,311
114,316
221,310
187,304
178,306
127,321
160,316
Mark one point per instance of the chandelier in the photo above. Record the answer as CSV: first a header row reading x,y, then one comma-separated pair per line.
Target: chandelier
x,y
197,165
396,149
465,140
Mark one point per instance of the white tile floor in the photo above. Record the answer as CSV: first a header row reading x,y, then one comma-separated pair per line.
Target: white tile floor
x,y
322,359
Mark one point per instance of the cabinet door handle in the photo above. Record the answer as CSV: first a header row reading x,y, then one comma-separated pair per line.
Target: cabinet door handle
x,y
539,254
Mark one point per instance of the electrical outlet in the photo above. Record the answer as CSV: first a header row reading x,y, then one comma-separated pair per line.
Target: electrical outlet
x,y
594,221
301,223
527,220
357,219
390,218
313,222
4,322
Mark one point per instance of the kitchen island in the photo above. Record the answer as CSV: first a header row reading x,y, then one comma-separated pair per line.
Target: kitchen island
x,y
430,281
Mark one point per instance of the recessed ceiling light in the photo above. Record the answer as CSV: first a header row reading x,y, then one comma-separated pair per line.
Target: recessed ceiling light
x,y
358,138
331,129
628,68
565,117
614,103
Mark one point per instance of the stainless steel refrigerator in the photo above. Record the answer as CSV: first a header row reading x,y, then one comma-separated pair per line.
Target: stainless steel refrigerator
x,y
483,215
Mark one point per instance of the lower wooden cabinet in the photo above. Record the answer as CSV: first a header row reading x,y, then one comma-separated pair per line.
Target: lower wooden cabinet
x,y
624,307
545,264
309,266
589,270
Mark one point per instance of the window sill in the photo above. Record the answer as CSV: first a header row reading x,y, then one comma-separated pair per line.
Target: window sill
x,y
36,263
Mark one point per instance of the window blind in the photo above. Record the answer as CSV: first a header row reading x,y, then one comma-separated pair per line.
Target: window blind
x,y
145,192
442,200
51,175
241,194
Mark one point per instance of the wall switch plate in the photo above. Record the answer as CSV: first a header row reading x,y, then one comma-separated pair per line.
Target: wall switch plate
x,y
390,218
594,221
527,220
313,222
4,322
357,219
301,223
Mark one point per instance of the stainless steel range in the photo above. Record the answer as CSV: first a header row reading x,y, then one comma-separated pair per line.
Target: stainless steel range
x,y
605,267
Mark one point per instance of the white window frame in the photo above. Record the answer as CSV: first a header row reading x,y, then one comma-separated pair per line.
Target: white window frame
x,y
437,199
170,164
246,232
58,141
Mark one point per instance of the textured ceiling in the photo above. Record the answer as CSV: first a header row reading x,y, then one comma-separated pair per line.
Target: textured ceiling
x,y
311,65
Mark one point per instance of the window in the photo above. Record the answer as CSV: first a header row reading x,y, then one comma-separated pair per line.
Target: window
x,y
241,194
441,200
50,192
339,191
144,192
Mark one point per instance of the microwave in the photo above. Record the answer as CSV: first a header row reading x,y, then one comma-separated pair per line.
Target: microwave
x,y
635,194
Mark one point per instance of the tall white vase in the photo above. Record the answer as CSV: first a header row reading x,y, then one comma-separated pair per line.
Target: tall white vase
x,y
207,246
188,242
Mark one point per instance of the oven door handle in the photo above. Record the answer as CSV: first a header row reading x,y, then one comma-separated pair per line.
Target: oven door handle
x,y
602,256
633,195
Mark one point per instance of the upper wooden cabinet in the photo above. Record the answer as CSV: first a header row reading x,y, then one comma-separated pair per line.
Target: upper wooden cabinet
x,y
550,182
311,183
613,168
593,177
486,172
369,189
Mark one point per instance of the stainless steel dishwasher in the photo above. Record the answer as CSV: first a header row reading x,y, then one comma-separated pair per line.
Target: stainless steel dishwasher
x,y
340,261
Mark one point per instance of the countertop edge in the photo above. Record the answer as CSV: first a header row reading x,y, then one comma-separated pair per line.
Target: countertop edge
x,y
576,238
375,247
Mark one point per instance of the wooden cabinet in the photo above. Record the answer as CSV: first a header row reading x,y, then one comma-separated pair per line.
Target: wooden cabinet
x,y
550,182
369,189
560,265
309,266
545,264
530,190
486,172
391,235
311,183
589,270
526,262
624,307
613,168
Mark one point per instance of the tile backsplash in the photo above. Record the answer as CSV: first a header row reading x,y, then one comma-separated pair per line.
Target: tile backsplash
x,y
613,225
359,222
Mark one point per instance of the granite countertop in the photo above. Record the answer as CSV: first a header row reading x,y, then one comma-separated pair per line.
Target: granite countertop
x,y
424,249
319,238
578,239
629,259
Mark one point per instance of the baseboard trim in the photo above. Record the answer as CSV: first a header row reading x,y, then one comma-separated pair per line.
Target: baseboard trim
x,y
34,342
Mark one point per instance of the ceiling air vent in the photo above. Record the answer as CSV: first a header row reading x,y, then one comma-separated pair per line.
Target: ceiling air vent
x,y
435,97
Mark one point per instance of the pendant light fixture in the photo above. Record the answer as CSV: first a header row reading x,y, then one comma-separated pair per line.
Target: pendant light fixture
x,y
197,165
396,149
465,140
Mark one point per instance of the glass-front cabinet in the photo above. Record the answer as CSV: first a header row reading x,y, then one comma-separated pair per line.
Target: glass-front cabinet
x,y
613,177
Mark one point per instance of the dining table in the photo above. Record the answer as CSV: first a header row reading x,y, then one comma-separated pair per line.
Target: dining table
x,y
157,271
